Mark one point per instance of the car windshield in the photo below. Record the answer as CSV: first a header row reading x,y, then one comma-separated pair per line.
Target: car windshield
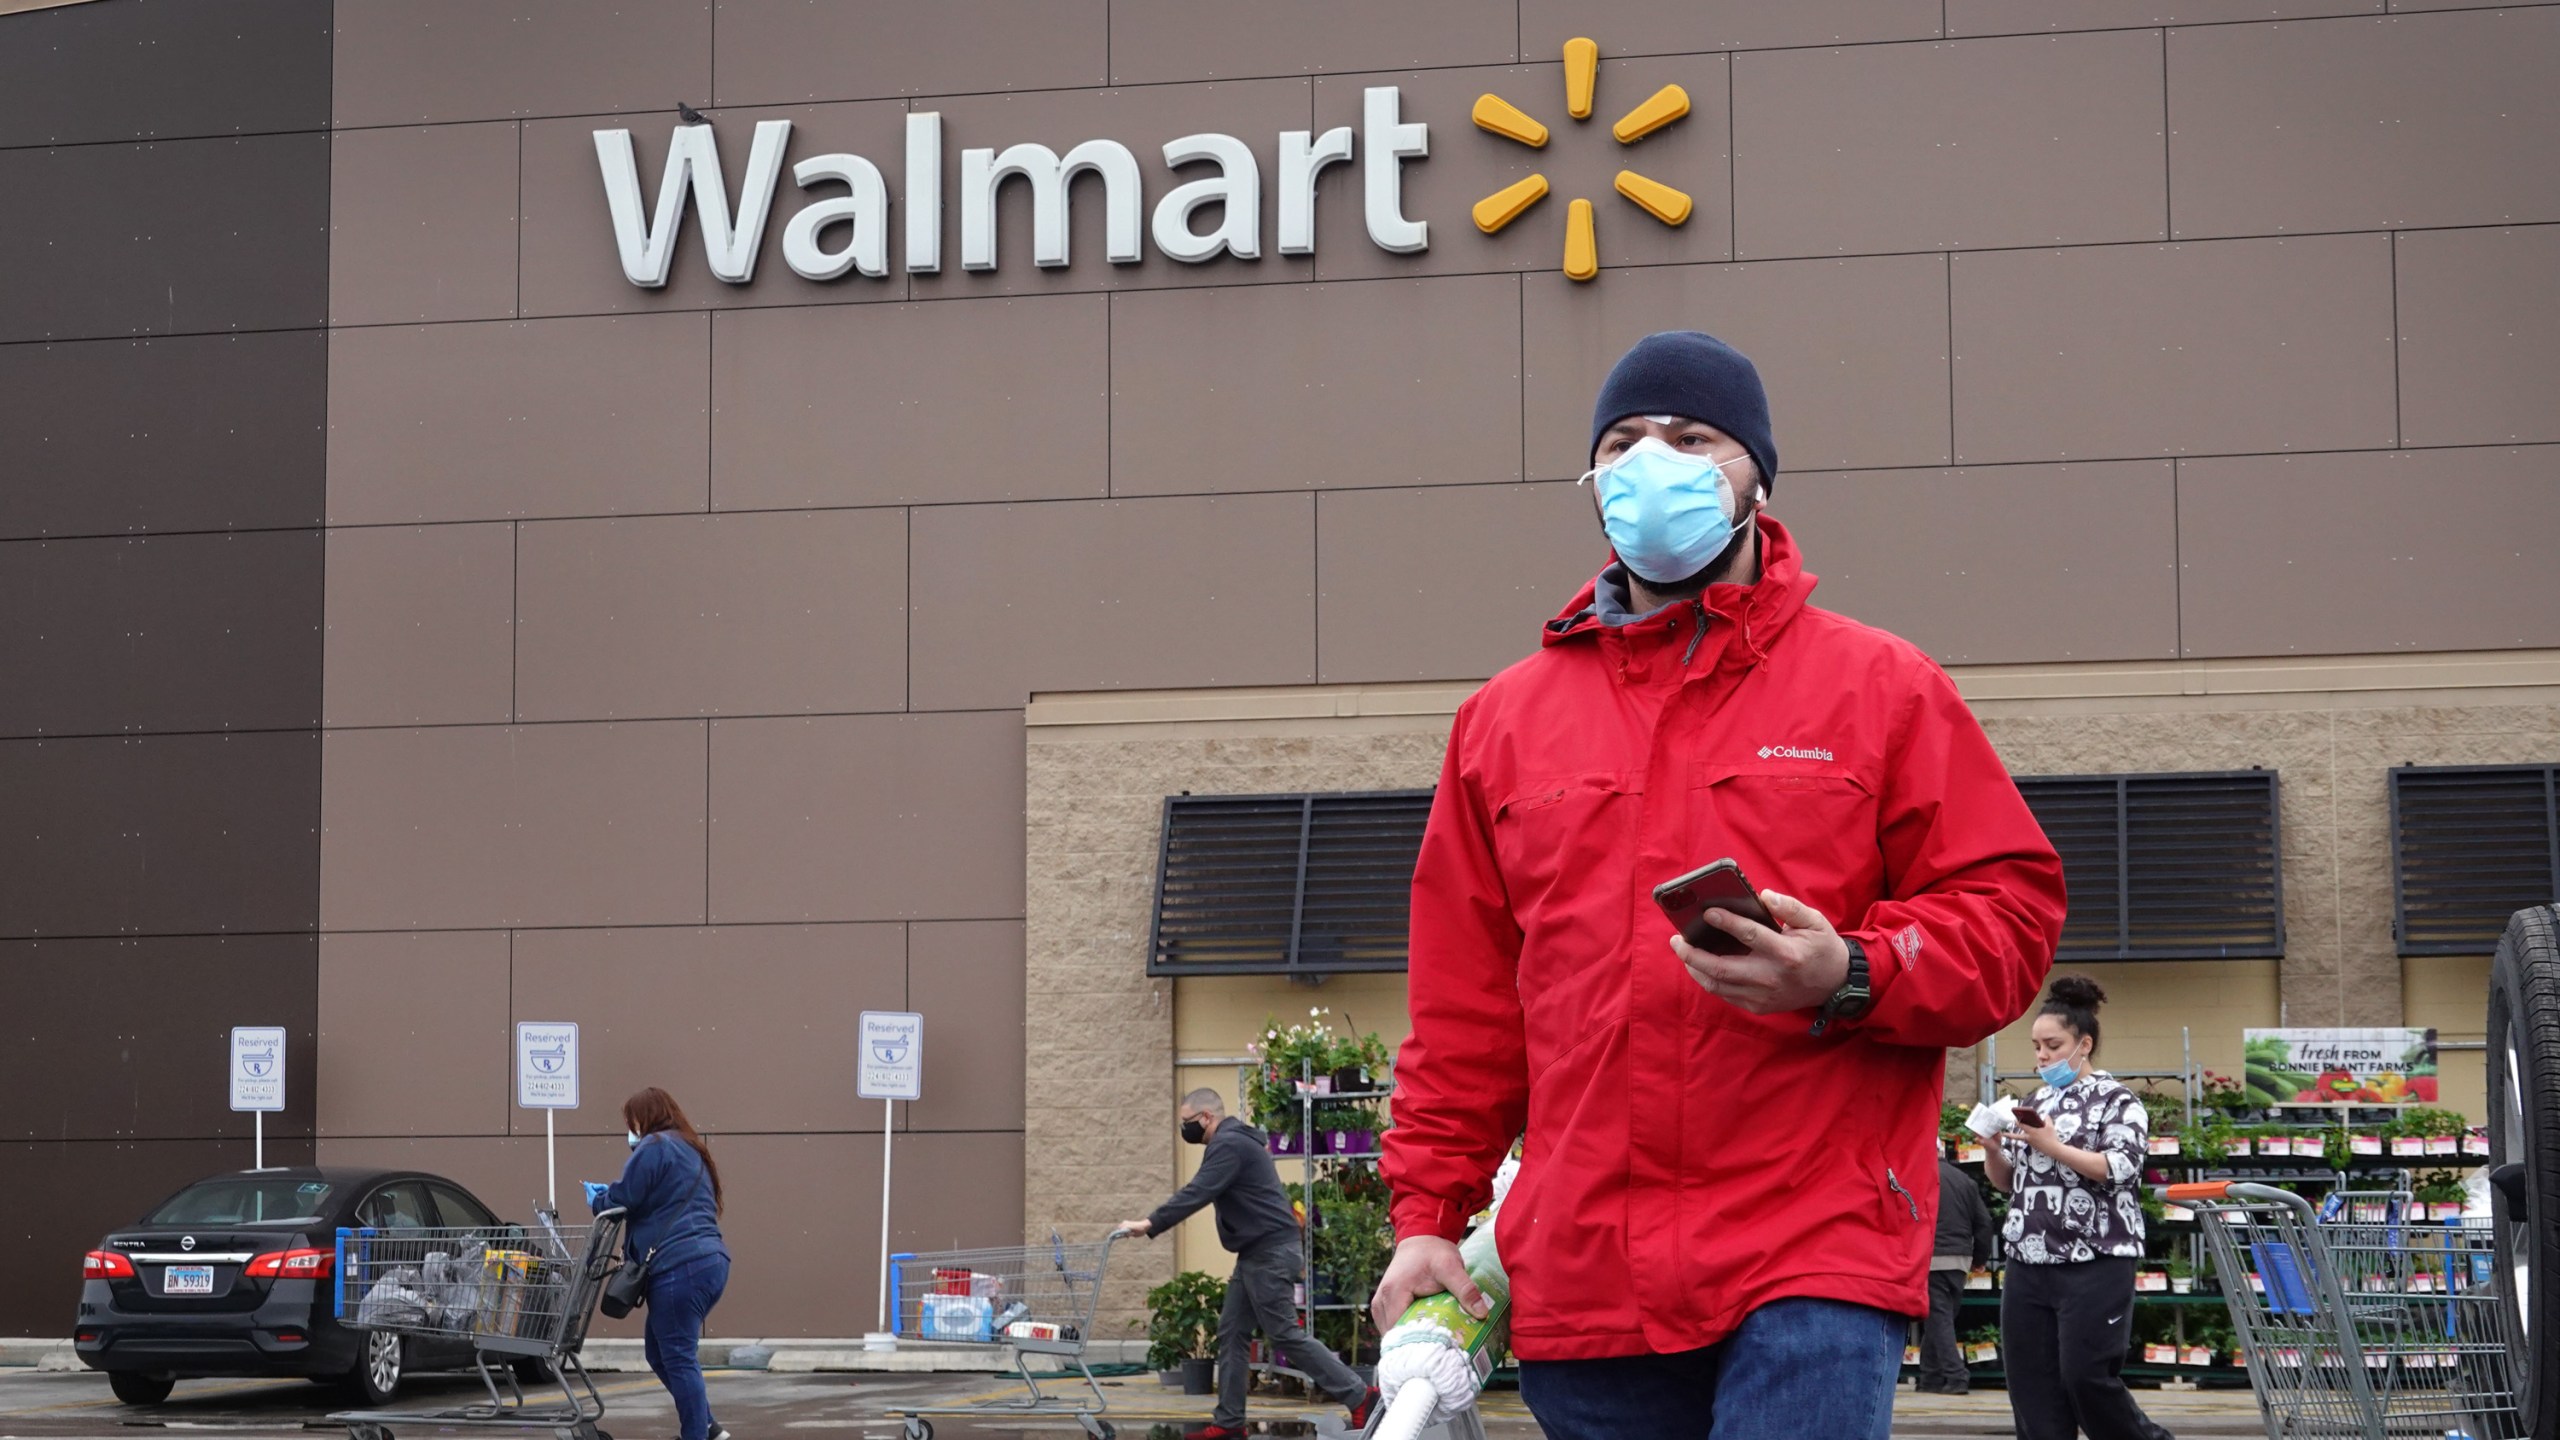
x,y
244,1200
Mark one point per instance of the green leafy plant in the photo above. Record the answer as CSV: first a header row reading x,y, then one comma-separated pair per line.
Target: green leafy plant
x,y
1182,1319
2436,1187
2221,1092
2208,1138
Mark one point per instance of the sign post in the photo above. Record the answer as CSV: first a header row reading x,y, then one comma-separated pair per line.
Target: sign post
x,y
547,1080
257,1076
891,1070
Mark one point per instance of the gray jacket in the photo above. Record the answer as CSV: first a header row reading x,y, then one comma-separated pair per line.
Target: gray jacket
x,y
1236,1174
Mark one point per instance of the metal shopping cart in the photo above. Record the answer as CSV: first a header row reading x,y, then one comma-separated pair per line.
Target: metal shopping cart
x,y
2357,1319
1031,1299
516,1295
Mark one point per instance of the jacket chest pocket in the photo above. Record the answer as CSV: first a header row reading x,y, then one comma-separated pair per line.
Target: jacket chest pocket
x,y
1807,829
1564,830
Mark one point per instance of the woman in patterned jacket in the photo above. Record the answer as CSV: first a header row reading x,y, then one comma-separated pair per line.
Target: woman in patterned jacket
x,y
2073,1171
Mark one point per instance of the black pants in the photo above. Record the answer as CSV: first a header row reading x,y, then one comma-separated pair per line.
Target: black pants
x,y
1941,1363
1262,1294
2064,1331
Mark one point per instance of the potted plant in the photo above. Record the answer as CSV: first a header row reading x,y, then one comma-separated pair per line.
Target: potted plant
x,y
2209,1137
2182,1276
1182,1328
1350,1130
1359,1063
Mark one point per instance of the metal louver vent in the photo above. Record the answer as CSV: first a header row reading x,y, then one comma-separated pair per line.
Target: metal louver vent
x,y
2166,867
1285,884
2470,846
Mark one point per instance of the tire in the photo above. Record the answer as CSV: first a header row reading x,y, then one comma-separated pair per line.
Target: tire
x,y
2524,1149
135,1388
919,1428
380,1364
530,1371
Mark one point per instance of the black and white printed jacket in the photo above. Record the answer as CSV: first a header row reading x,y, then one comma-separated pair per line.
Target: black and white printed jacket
x,y
2058,1216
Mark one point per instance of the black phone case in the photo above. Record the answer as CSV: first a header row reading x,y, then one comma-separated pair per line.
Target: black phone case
x,y
1719,886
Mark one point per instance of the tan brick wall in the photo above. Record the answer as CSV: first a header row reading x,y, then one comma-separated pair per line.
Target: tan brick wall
x,y
1098,1142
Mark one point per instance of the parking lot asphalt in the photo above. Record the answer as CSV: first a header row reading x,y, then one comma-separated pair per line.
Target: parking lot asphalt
x,y
755,1405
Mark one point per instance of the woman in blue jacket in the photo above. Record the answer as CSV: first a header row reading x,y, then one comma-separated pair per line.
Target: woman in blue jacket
x,y
670,1193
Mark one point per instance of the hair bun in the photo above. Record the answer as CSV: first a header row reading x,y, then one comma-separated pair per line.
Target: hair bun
x,y
2078,990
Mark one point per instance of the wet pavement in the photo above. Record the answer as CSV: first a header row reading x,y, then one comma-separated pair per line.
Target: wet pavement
x,y
755,1405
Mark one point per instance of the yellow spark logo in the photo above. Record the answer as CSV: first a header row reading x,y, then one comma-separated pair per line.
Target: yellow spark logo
x,y
1581,74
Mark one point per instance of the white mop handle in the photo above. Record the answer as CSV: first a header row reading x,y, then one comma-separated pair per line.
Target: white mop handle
x,y
1408,1412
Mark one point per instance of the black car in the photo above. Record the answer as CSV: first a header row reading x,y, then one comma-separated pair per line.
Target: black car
x,y
236,1275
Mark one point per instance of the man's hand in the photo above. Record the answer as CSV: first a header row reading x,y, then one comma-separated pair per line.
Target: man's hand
x,y
1794,967
1134,1227
1424,1265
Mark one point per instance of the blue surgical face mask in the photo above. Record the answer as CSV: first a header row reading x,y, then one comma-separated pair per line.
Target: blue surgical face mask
x,y
2058,1074
632,1137
1668,515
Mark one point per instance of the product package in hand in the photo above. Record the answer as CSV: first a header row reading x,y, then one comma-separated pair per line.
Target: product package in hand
x,y
1437,1357
1995,1119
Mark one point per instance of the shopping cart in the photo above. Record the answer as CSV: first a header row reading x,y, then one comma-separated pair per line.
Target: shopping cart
x,y
2356,1319
1031,1299
522,1298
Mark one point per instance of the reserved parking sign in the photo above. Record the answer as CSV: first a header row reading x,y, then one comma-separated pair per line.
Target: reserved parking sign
x,y
546,1065
257,1067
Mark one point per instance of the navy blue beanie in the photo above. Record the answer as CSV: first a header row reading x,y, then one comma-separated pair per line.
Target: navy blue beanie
x,y
1696,376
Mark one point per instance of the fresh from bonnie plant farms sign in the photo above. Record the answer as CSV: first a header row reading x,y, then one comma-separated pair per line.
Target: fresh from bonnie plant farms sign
x,y
2340,1067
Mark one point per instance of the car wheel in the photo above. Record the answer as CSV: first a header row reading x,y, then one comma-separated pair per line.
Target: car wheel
x,y
2524,1147
376,1379
135,1388
530,1371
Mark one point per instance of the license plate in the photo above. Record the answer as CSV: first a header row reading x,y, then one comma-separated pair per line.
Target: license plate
x,y
187,1280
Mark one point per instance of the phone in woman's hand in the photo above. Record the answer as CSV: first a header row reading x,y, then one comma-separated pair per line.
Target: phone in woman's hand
x,y
2027,1118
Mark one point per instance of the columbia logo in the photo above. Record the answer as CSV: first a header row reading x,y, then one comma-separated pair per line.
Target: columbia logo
x,y
1791,752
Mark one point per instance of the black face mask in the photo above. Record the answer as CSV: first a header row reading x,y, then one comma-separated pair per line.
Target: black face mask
x,y
1194,1132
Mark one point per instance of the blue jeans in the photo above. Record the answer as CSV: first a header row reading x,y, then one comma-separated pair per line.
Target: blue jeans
x,y
1797,1367
679,1301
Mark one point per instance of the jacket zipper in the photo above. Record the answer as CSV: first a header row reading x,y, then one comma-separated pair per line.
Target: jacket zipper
x,y
1700,606
1896,1183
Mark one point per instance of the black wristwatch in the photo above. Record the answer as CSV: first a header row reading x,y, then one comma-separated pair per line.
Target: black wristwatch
x,y
1853,999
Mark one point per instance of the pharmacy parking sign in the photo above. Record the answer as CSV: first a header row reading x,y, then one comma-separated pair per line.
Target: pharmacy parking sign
x,y
892,1056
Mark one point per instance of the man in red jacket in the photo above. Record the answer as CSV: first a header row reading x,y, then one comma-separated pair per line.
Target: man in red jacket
x,y
1726,1203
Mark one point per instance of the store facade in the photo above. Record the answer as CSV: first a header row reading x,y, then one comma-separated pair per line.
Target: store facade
x,y
474,547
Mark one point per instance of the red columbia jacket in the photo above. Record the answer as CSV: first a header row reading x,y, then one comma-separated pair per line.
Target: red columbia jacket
x,y
1687,1161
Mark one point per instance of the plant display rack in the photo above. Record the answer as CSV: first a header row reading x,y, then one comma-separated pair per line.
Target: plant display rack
x,y
1317,1101
2179,1245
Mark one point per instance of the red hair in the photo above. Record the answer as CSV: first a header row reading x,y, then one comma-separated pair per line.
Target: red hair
x,y
653,1110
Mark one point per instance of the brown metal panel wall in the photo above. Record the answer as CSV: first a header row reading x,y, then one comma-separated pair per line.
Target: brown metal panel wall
x,y
160,599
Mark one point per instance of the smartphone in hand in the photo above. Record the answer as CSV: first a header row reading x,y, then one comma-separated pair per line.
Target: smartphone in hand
x,y
1719,886
2027,1118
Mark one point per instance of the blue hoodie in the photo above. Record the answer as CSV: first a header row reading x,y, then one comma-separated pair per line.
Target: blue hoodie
x,y
672,1210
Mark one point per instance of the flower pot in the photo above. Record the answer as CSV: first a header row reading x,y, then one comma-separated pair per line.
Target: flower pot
x,y
1199,1377
1169,1378
1284,1142
1322,1140
1354,1142
2182,1284
1350,1079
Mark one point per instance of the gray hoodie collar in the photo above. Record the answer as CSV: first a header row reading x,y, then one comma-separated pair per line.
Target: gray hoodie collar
x,y
1610,602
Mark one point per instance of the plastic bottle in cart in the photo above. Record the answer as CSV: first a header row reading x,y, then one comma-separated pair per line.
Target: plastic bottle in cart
x,y
1437,1357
